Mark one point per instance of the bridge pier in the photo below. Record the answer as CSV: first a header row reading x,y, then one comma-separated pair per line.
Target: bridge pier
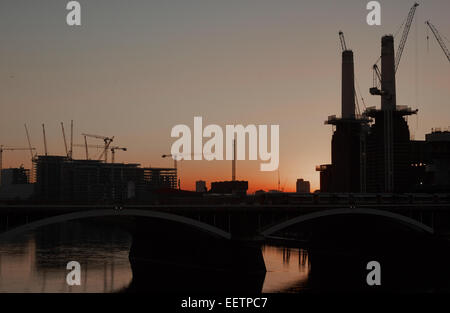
x,y
167,256
440,221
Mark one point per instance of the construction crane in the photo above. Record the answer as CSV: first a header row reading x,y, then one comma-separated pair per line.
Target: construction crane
x,y
401,46
29,144
105,152
376,81
106,140
175,161
33,156
64,139
113,152
342,39
45,139
174,156
85,145
2,149
376,89
112,149
439,39
175,165
69,150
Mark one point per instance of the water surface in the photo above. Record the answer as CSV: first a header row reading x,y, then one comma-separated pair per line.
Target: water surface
x,y
36,261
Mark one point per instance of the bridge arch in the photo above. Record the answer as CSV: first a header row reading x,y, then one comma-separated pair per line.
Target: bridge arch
x,y
349,211
214,231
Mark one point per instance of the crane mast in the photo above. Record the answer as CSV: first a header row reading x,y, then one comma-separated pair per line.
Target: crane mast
x,y
342,39
113,152
376,88
45,139
107,141
174,156
401,46
29,143
64,139
439,39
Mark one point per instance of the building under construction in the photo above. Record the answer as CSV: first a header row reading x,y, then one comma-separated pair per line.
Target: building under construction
x,y
60,178
347,141
372,152
388,140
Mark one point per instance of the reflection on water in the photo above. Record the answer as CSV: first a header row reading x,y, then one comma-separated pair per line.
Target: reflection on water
x,y
36,262
286,268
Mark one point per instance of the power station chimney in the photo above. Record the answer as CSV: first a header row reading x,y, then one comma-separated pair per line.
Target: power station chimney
x,y
388,100
348,85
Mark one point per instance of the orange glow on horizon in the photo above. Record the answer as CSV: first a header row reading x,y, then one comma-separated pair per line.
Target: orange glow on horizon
x,y
189,174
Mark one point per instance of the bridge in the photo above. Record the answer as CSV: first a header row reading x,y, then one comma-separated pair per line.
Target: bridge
x,y
226,221
231,234
251,216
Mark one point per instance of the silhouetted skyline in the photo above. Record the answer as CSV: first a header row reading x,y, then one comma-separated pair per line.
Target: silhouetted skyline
x,y
135,70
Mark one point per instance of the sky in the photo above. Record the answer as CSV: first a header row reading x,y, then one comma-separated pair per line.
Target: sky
x,y
135,69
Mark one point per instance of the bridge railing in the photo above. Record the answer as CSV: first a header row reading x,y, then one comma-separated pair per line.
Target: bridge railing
x,y
353,198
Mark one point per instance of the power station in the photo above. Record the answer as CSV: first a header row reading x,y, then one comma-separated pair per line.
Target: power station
x,y
373,152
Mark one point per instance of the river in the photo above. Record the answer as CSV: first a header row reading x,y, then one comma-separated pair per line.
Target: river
x,y
36,261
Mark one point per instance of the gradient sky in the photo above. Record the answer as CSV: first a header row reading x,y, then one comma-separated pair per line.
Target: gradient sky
x,y
135,69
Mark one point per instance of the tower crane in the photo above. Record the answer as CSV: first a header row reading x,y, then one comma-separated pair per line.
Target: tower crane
x,y
86,146
33,156
401,46
29,144
45,139
176,160
112,149
2,149
176,156
342,39
439,39
69,150
175,165
376,89
105,151
106,140
113,152
64,139
89,146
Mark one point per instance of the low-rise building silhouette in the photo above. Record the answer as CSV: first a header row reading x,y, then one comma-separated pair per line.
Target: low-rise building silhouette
x,y
303,186
200,186
235,187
